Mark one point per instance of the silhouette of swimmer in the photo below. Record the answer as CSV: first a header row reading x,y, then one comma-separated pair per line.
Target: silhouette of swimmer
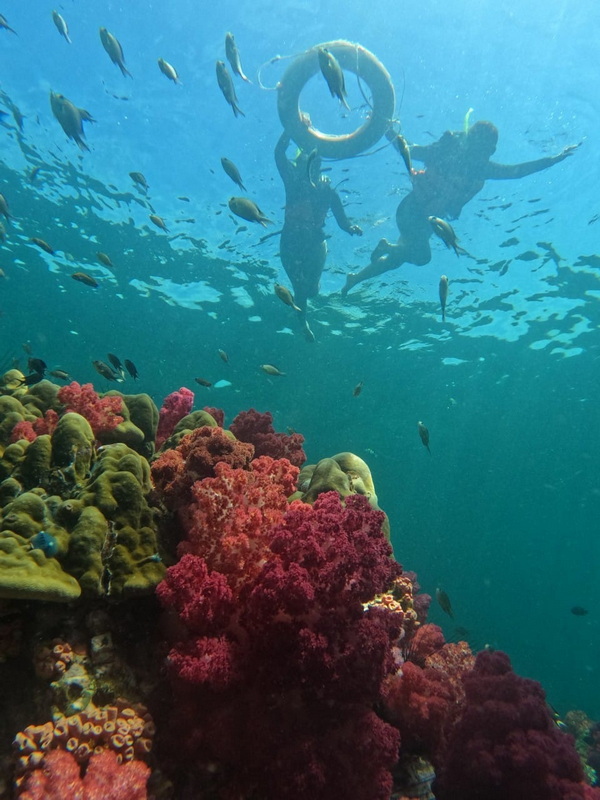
x,y
309,196
456,169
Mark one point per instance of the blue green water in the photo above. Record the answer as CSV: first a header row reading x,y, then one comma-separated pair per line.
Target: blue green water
x,y
504,512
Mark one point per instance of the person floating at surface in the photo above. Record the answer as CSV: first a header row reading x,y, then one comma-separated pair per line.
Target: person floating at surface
x,y
456,169
309,196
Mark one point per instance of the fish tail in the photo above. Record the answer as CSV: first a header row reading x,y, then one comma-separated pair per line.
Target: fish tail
x,y
237,110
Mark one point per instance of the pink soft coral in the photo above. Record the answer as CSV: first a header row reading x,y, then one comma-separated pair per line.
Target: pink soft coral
x,y
101,412
256,428
174,408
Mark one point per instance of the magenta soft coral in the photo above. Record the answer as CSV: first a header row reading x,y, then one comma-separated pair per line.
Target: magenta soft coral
x,y
101,412
175,407
256,428
505,744
278,667
58,778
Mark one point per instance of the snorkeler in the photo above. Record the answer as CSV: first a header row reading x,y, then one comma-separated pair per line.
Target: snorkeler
x,y
309,196
456,169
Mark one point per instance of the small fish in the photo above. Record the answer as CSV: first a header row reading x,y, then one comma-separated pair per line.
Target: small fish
x,y
37,365
357,389
202,382
184,198
30,380
70,118
233,56
138,178
113,47
104,259
60,374
159,222
284,294
270,369
115,361
104,370
168,70
4,210
131,369
43,245
2,233
579,611
424,434
232,172
18,117
444,602
4,24
401,145
445,231
86,279
443,289
61,25
223,356
226,86
248,210
333,74
35,171
2,273
27,347
45,542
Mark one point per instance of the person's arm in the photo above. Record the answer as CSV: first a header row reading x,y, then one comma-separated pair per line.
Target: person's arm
x,y
339,213
419,152
281,161
495,171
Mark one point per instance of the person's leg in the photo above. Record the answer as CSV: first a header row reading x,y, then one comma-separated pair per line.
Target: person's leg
x,y
386,256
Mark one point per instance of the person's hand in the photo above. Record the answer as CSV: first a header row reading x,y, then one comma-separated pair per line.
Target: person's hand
x,y
567,151
355,230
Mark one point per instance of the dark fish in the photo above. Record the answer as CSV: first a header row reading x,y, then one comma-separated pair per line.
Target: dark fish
x,y
35,171
232,172
445,231
42,244
61,25
60,374
113,47
444,602
270,369
443,295
29,380
579,611
357,389
202,382
233,56
4,25
424,434
138,178
115,361
223,356
36,365
248,210
86,279
104,259
168,70
104,370
528,255
226,86
510,242
286,296
333,74
70,118
131,369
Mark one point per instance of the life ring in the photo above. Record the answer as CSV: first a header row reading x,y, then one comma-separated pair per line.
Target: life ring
x,y
354,58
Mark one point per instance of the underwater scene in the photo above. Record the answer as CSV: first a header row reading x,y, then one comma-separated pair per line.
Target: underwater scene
x,y
299,420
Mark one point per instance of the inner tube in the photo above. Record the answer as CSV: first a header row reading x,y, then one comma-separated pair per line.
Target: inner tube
x,y
353,58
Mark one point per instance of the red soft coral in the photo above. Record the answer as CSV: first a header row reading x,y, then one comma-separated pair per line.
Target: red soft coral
x,y
256,428
506,744
23,430
230,514
59,778
101,412
175,407
175,471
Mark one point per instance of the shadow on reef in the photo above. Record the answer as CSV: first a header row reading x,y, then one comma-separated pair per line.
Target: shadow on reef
x,y
190,611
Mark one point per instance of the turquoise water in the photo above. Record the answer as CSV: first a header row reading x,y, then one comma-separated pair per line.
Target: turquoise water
x,y
503,514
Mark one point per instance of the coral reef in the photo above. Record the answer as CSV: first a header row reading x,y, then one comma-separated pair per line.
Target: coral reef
x,y
257,429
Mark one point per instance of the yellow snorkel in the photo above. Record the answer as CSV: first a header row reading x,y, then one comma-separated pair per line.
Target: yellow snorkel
x,y
467,120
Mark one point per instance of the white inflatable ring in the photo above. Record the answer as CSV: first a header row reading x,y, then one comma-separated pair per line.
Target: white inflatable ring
x,y
353,58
